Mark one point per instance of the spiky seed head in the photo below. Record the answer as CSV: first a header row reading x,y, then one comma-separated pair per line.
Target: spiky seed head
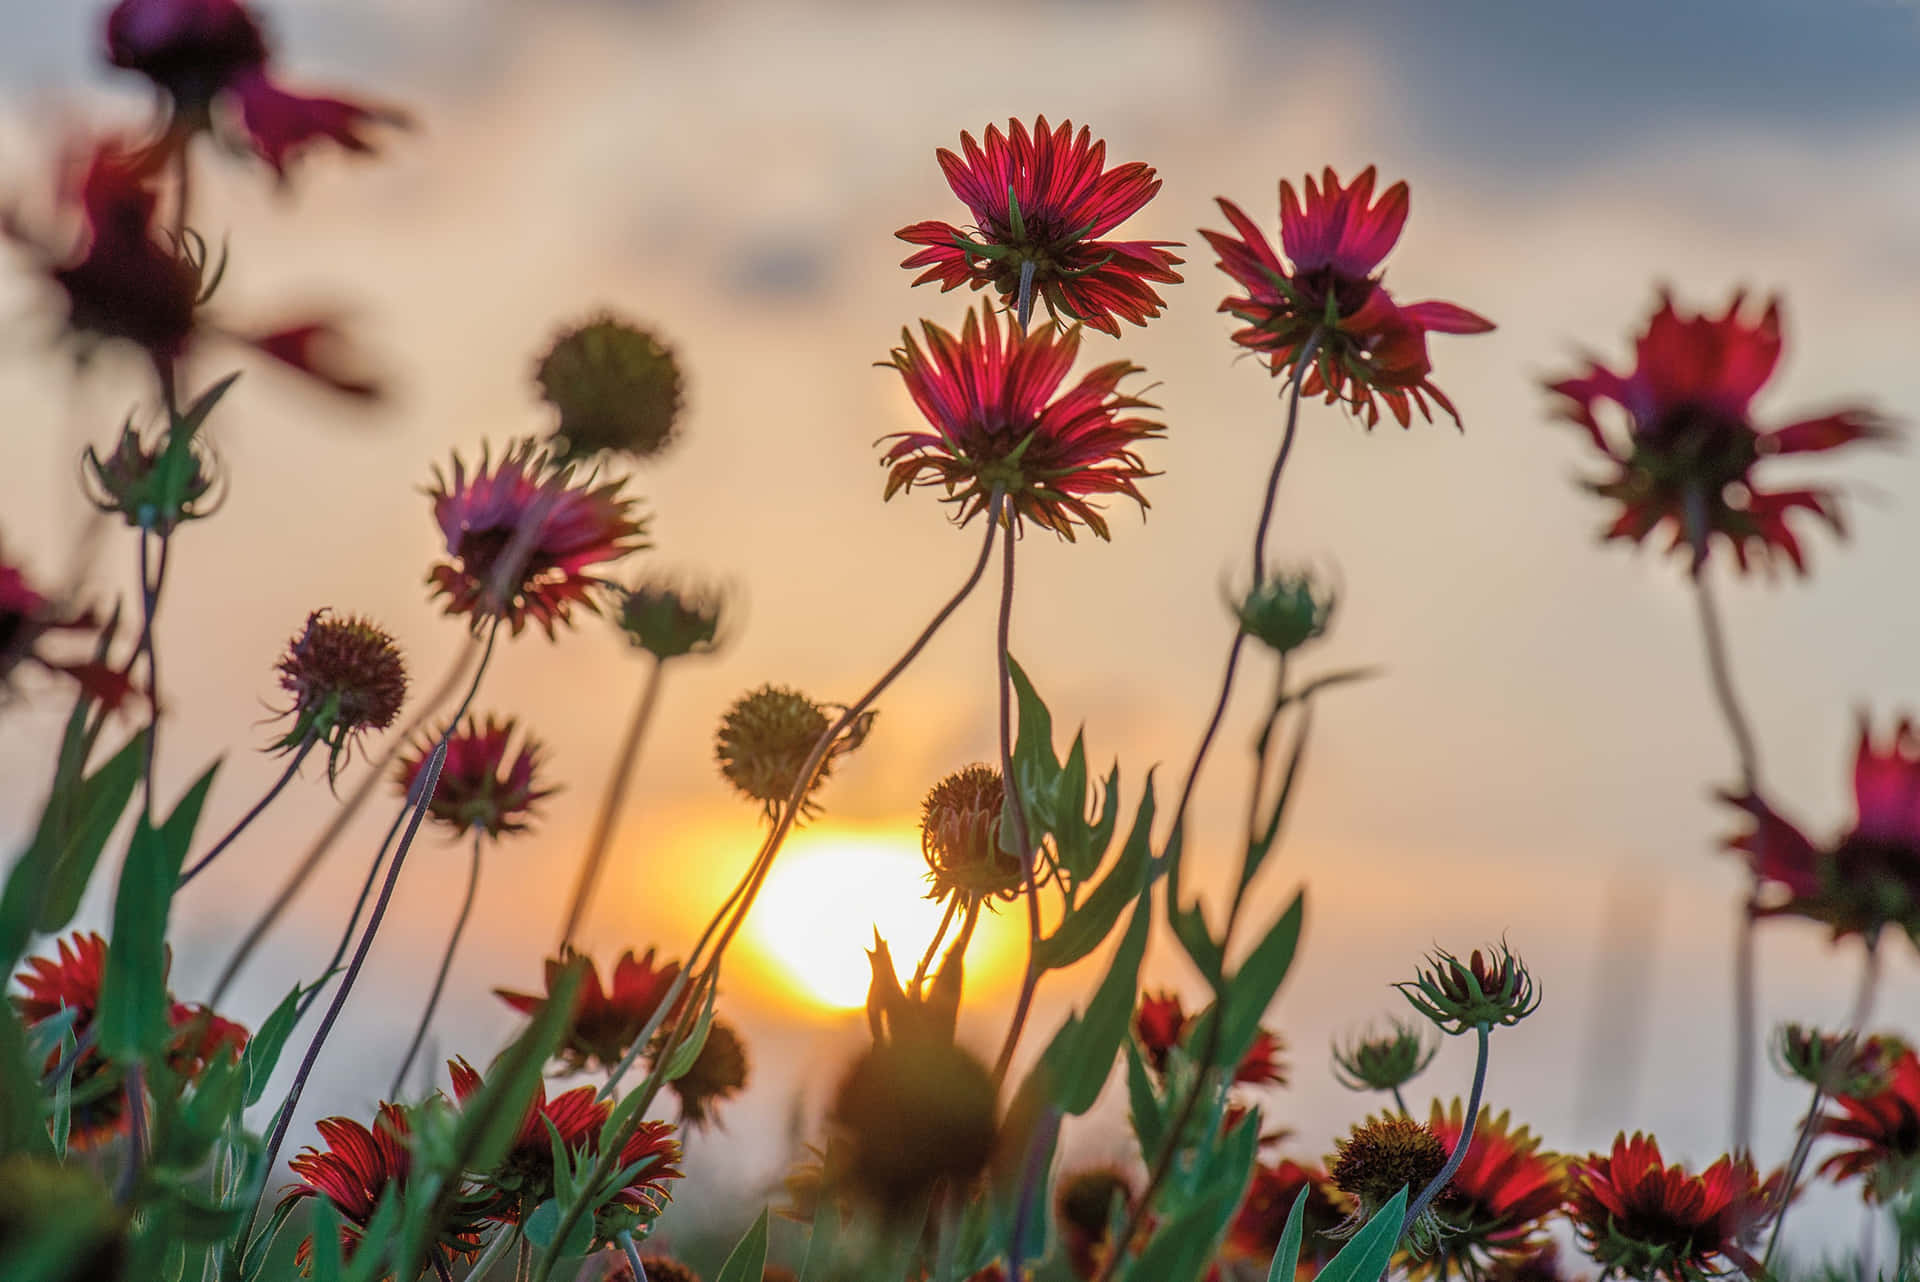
x,y
617,388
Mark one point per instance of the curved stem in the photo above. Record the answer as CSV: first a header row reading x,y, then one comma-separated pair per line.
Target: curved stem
x,y
633,1256
1016,811
1849,1046
610,804
1438,1184
283,1120
933,945
286,777
353,922
1720,674
446,965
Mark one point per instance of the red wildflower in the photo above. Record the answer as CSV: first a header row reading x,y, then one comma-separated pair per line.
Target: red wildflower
x,y
473,791
1039,201
201,51
1083,1206
553,528
1262,1065
1161,1024
1641,1218
1365,344
1885,1128
998,424
525,1177
1869,877
1254,1234
355,1171
26,617
1500,1195
606,1021
1691,445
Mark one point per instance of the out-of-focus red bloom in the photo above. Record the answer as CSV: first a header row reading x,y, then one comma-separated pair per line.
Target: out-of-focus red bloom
x,y
718,1073
1160,1022
606,1021
357,1168
1885,1130
477,788
1640,1218
1254,1234
1688,457
1044,198
998,423
1365,344
1869,877
27,617
1262,1065
201,51
525,1177
534,529
1503,1191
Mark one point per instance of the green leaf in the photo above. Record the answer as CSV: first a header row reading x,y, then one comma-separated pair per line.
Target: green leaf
x,y
822,1243
133,992
1286,1256
22,1128
1149,1119
1089,924
1181,1251
687,1053
1258,979
1190,928
748,1259
489,1123
545,1222
1080,1057
263,1051
325,1260
1365,1257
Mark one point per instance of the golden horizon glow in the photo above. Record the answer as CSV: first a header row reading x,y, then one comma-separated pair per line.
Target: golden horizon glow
x,y
826,896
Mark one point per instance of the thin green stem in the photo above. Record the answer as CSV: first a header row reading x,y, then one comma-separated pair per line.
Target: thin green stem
x,y
1017,813
1400,1103
498,1247
286,777
632,1251
933,945
150,588
446,966
610,804
1438,1183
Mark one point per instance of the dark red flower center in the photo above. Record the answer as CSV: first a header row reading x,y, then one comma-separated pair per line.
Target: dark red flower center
x,y
1349,293
1703,445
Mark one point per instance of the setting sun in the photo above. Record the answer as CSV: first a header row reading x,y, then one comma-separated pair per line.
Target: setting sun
x,y
815,920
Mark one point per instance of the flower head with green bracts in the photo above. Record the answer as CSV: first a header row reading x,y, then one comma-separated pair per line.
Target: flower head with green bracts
x,y
671,620
1286,611
616,387
766,738
1375,1061
1378,1159
154,484
1486,990
1838,1063
346,677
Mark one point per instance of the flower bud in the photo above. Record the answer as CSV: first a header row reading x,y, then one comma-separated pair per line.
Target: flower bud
x,y
960,837
1483,990
669,621
1834,1063
1286,611
617,389
1383,1061
152,488
766,738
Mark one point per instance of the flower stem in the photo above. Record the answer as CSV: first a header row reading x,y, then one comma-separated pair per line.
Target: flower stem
x,y
1399,1102
286,777
502,1240
139,1139
1023,304
1017,812
283,1121
353,922
610,803
446,965
149,606
1438,1184
933,945
1849,1046
633,1256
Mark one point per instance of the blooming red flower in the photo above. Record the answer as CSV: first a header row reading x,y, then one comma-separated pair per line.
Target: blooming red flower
x,y
1161,1023
1642,1218
553,528
998,424
1503,1190
199,52
477,788
1691,447
525,1177
1039,202
26,618
1262,1065
1870,876
606,1021
1365,344
1885,1129
1254,1234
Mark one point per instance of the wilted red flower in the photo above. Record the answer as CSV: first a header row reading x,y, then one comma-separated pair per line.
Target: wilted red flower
x,y
473,791
1039,202
346,677
1641,1218
1688,457
1885,1128
1160,1022
525,1177
606,1021
1365,344
555,529
1870,876
1504,1189
200,51
26,617
719,1072
1254,1234
997,423
355,1170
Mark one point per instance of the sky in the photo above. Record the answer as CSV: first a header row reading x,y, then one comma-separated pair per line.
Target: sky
x,y
1539,758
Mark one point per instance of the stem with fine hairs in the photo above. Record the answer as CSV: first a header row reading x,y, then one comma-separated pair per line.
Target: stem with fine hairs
x,y
446,965
286,777
1459,1154
610,803
1017,813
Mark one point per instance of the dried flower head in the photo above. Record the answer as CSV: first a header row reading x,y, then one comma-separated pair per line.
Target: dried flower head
x,y
1640,1218
153,486
960,837
1374,1061
913,1113
477,788
1687,457
606,1021
1286,611
1837,1063
669,620
719,1072
522,536
617,389
998,425
766,738
1039,200
1378,1159
1494,989
346,678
